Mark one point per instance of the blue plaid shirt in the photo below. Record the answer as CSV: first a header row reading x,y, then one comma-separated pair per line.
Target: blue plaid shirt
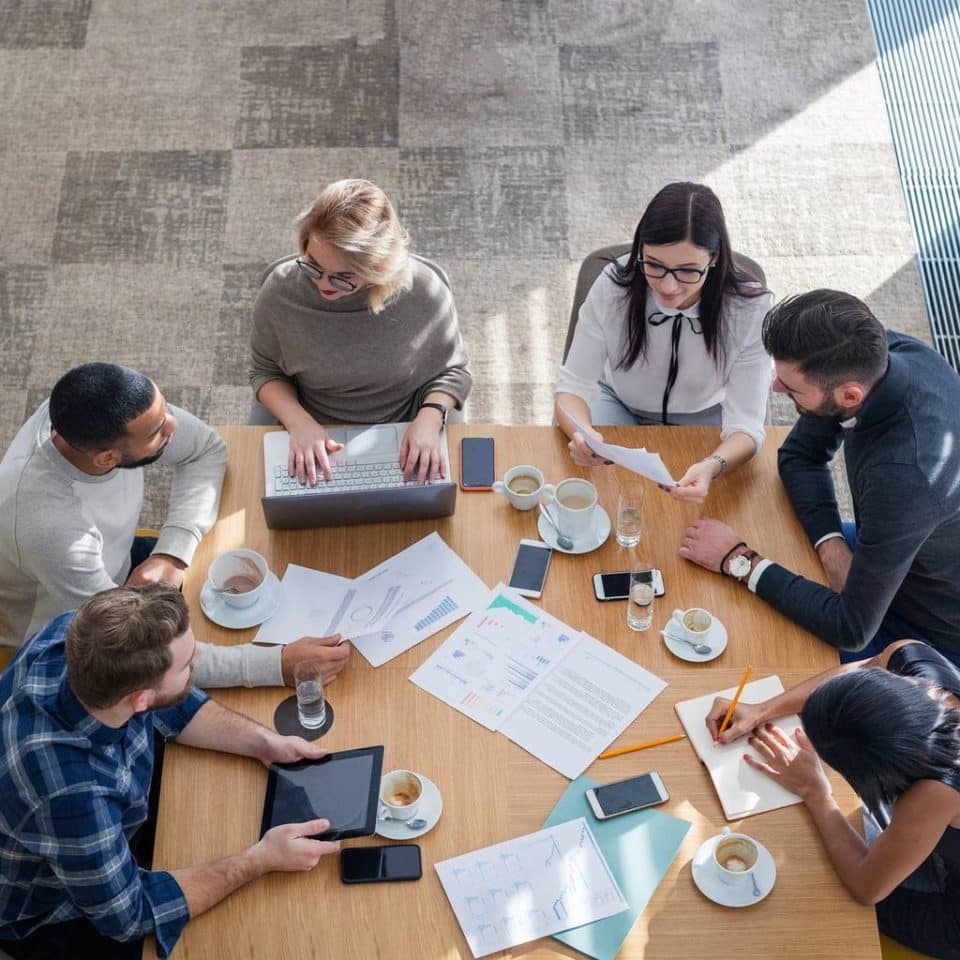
x,y
72,793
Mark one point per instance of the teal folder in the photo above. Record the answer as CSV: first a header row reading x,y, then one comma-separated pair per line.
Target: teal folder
x,y
638,847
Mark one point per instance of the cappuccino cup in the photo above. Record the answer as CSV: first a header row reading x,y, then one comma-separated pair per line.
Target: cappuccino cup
x,y
573,505
694,623
400,792
734,857
521,486
241,574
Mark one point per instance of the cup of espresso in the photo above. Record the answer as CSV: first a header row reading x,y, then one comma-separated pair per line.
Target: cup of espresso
x,y
734,857
521,486
694,624
240,574
400,792
573,503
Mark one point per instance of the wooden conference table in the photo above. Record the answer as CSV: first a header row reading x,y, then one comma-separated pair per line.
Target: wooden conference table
x,y
492,789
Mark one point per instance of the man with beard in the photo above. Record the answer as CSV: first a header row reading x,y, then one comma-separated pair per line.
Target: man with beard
x,y
71,491
80,707
894,404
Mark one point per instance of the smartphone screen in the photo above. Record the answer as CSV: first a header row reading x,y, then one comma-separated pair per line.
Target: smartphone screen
x,y
380,864
530,568
476,463
628,795
616,586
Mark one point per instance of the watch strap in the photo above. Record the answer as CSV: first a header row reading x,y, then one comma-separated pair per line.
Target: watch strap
x,y
436,406
726,556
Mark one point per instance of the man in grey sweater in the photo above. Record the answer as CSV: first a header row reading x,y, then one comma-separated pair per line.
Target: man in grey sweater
x,y
71,491
892,402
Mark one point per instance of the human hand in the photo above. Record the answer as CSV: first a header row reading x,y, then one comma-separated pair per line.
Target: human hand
x,y
694,485
330,652
790,761
280,749
289,847
706,541
835,558
158,568
310,448
581,454
746,717
420,448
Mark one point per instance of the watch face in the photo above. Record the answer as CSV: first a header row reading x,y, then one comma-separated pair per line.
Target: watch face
x,y
739,566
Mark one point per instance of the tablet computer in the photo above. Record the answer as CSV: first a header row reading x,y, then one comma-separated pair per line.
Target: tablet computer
x,y
342,787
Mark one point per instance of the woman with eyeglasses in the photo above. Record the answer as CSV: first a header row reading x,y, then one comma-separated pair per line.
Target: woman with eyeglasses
x,y
671,334
357,330
890,726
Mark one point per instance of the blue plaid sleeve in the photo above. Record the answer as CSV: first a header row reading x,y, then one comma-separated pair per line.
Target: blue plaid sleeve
x,y
171,721
80,837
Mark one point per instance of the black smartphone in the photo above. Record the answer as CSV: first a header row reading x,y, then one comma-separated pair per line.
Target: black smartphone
x,y
398,861
625,796
477,469
616,586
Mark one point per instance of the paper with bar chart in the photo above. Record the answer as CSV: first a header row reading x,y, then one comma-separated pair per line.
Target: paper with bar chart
x,y
530,887
558,693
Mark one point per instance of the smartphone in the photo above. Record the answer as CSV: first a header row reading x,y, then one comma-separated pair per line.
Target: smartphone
x,y
477,470
616,586
398,861
625,796
530,568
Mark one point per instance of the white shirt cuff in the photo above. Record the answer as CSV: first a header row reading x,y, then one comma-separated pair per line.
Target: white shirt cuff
x,y
756,574
828,536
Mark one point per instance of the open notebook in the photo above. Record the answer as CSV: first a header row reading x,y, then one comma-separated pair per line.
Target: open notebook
x,y
742,790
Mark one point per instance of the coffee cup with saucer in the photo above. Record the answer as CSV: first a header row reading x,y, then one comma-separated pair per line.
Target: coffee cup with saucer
x,y
522,486
680,639
428,807
241,591
572,506
748,877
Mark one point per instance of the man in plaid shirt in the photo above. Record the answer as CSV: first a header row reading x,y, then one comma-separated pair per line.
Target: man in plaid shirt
x,y
80,704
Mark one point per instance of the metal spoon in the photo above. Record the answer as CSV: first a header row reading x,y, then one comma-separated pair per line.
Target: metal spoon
x,y
417,823
756,888
700,648
231,590
565,543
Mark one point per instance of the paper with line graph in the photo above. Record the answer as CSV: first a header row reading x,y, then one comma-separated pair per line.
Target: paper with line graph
x,y
530,887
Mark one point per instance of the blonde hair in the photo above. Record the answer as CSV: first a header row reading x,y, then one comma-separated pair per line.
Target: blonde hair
x,y
358,219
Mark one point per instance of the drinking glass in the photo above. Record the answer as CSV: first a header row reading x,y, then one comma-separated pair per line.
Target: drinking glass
x,y
311,705
640,599
629,516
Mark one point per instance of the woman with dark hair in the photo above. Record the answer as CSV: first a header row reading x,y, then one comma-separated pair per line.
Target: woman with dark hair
x,y
671,334
890,726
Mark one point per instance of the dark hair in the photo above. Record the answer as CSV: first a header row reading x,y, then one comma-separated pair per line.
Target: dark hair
x,y
883,732
832,336
119,641
91,405
683,211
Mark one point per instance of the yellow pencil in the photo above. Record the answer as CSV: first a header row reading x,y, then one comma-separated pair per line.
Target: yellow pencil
x,y
733,702
641,746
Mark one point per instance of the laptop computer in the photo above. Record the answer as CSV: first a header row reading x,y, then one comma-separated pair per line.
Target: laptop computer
x,y
367,485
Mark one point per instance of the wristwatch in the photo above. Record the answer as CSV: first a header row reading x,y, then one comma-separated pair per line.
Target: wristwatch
x,y
740,565
441,408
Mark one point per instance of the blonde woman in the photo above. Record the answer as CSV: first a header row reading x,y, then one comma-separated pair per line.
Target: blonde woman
x,y
357,330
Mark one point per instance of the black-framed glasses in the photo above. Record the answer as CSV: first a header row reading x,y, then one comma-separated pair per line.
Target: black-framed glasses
x,y
335,281
657,271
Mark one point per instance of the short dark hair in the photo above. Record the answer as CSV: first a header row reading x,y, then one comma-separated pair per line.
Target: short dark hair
x,y
91,405
832,336
883,732
119,641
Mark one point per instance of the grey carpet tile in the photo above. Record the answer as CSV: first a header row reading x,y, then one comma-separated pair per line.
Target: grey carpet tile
x,y
636,98
52,23
268,188
22,291
522,403
143,207
31,187
340,95
498,94
472,206
477,25
232,336
39,99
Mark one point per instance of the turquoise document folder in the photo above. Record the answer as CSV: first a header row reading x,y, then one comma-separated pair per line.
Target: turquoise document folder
x,y
638,847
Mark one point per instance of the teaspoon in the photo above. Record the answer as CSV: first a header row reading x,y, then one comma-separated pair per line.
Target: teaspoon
x,y
565,543
700,648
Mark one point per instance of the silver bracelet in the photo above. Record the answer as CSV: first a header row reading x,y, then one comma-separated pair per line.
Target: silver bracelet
x,y
719,459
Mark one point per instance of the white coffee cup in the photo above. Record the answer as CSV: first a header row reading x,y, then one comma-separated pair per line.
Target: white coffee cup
x,y
400,793
693,623
573,505
526,499
241,568
734,857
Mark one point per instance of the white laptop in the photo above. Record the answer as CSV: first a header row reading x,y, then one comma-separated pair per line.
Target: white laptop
x,y
367,485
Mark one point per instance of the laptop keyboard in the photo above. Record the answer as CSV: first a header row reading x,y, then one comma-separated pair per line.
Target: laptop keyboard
x,y
347,477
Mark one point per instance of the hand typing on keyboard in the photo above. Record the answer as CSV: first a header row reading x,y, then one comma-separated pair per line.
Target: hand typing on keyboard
x,y
420,457
310,447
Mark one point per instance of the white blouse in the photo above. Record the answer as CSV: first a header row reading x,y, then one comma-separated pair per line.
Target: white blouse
x,y
740,384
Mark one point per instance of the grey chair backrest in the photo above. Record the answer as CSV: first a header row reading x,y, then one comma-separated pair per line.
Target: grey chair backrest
x,y
593,265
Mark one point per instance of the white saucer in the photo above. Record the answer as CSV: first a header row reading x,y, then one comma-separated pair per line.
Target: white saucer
x,y
238,618
601,530
431,806
713,888
716,637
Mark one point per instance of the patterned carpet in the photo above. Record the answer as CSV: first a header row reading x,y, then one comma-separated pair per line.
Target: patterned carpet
x,y
153,155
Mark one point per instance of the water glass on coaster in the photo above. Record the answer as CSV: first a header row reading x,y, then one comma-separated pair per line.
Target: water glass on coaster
x,y
521,486
400,792
640,599
630,515
311,705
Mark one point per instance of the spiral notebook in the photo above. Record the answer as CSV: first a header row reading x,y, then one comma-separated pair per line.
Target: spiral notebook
x,y
743,791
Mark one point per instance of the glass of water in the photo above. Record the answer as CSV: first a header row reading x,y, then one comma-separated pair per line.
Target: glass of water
x,y
311,706
640,599
629,515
